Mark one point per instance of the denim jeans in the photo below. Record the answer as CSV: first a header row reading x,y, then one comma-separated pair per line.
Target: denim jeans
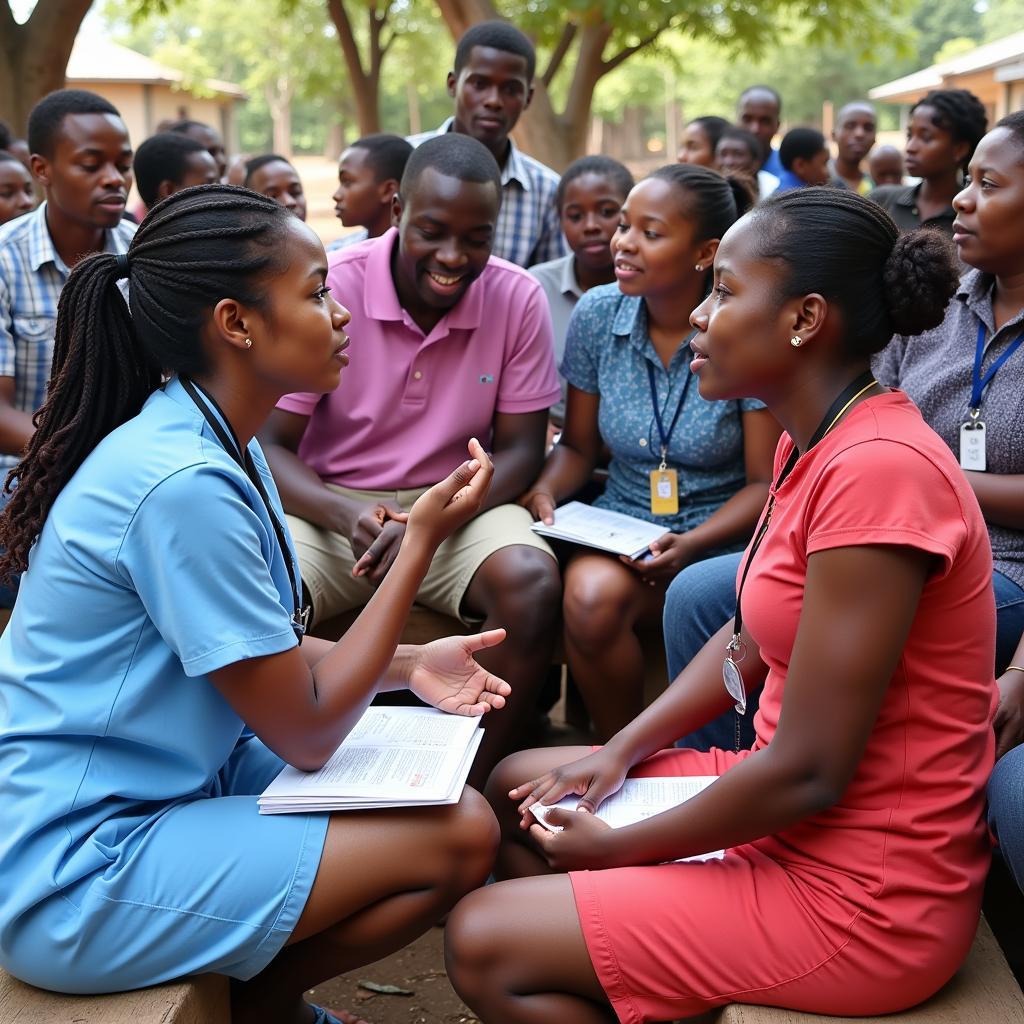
x,y
1006,810
1009,619
700,600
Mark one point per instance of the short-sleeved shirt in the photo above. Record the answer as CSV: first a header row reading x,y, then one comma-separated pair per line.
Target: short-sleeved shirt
x,y
607,353
901,203
911,821
936,370
528,229
150,572
563,291
32,275
408,403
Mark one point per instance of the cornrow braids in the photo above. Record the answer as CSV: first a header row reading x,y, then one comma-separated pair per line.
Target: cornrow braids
x,y
195,248
848,249
960,113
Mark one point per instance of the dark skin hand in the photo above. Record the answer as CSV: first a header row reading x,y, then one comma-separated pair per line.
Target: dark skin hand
x,y
573,459
850,625
1009,720
376,531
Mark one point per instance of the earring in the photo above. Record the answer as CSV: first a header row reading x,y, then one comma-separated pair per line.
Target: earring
x,y
248,342
698,268
796,341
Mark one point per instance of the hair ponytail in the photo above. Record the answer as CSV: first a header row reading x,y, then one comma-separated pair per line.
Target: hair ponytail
x,y
193,249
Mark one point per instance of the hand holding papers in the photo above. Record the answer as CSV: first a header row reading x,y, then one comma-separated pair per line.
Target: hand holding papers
x,y
636,800
394,757
601,529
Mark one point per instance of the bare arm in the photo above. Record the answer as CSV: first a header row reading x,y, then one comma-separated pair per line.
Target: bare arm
x,y
571,461
302,711
16,427
1001,497
517,452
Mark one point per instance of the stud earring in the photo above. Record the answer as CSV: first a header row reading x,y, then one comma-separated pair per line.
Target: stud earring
x,y
796,341
698,268
248,342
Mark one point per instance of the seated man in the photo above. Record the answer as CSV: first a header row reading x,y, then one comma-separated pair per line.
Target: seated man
x,y
448,344
168,162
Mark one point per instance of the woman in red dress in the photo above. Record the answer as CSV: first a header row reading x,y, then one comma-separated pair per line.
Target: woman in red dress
x,y
854,828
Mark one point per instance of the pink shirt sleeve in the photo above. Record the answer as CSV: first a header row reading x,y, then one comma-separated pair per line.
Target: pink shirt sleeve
x,y
883,491
529,381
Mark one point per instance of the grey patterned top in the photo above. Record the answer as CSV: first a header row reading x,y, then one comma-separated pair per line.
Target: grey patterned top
x,y
606,353
936,369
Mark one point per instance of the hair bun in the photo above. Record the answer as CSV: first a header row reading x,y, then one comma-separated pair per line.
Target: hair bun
x,y
919,278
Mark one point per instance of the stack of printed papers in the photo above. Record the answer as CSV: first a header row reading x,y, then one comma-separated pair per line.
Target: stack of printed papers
x,y
601,529
394,757
638,799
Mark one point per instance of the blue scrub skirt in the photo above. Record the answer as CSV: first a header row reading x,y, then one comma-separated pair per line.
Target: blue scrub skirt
x,y
205,885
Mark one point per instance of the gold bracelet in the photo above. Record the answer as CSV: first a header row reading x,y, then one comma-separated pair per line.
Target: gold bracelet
x,y
1015,668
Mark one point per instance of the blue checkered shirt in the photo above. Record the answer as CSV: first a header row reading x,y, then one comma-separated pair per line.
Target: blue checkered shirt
x,y
32,275
528,229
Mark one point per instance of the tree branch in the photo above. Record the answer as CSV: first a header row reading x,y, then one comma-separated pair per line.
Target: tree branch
x,y
558,54
626,52
346,37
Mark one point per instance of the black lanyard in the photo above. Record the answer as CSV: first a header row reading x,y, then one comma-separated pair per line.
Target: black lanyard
x,y
666,439
835,410
226,435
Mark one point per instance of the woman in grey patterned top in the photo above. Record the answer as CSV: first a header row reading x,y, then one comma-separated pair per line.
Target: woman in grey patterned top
x,y
945,370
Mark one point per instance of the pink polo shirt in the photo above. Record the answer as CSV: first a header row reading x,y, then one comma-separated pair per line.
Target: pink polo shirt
x,y
408,404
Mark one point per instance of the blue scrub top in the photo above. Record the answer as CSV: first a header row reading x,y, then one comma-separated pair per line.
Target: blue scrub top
x,y
157,565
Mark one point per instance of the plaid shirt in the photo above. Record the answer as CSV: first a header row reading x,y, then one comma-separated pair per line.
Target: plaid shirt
x,y
32,275
528,229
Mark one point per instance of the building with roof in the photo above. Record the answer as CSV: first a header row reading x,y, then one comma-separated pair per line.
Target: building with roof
x,y
147,93
993,72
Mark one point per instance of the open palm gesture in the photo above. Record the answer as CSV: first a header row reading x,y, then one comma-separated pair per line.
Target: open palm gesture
x,y
446,675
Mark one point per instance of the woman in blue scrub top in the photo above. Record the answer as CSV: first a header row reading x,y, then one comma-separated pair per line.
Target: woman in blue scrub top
x,y
152,677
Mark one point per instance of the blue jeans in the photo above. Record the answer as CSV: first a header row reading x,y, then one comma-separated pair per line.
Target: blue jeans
x,y
1006,810
1009,619
700,600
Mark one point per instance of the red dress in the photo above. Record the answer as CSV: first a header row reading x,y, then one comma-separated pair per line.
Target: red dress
x,y
869,907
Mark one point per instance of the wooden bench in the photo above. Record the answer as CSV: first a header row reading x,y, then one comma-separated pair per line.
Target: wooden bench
x,y
983,991
200,1000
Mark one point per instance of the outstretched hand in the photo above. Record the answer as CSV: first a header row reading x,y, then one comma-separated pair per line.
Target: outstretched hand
x,y
446,675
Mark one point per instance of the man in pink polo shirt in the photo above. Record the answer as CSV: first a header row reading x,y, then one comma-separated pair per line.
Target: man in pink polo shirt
x,y
447,344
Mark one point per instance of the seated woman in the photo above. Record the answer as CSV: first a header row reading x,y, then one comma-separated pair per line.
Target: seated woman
x,y
161,620
937,370
627,364
942,132
854,831
589,198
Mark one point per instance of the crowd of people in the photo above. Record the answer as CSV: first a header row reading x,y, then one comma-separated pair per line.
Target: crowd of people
x,y
802,367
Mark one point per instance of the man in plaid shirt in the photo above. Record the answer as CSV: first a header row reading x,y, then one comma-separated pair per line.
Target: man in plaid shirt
x,y
492,84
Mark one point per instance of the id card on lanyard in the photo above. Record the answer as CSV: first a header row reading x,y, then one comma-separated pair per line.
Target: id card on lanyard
x,y
665,481
972,433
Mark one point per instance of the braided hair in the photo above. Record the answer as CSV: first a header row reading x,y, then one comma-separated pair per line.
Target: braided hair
x,y
959,112
848,249
195,248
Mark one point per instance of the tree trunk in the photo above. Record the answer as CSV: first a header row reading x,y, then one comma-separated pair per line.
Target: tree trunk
x,y
279,100
34,55
364,75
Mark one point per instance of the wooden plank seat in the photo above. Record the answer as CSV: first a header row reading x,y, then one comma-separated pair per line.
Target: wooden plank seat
x,y
200,1000
983,991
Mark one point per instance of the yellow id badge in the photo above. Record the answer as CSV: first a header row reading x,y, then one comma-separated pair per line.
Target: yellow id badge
x,y
664,492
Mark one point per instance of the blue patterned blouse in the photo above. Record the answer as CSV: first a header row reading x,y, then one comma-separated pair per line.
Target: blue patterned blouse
x,y
607,352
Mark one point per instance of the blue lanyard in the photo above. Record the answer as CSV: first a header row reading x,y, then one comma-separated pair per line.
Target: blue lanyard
x,y
666,438
980,382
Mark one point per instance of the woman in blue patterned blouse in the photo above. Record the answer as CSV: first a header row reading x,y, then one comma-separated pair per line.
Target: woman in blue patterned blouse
x,y
699,468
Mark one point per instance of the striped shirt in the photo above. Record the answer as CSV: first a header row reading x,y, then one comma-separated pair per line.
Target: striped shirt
x,y
32,275
528,229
